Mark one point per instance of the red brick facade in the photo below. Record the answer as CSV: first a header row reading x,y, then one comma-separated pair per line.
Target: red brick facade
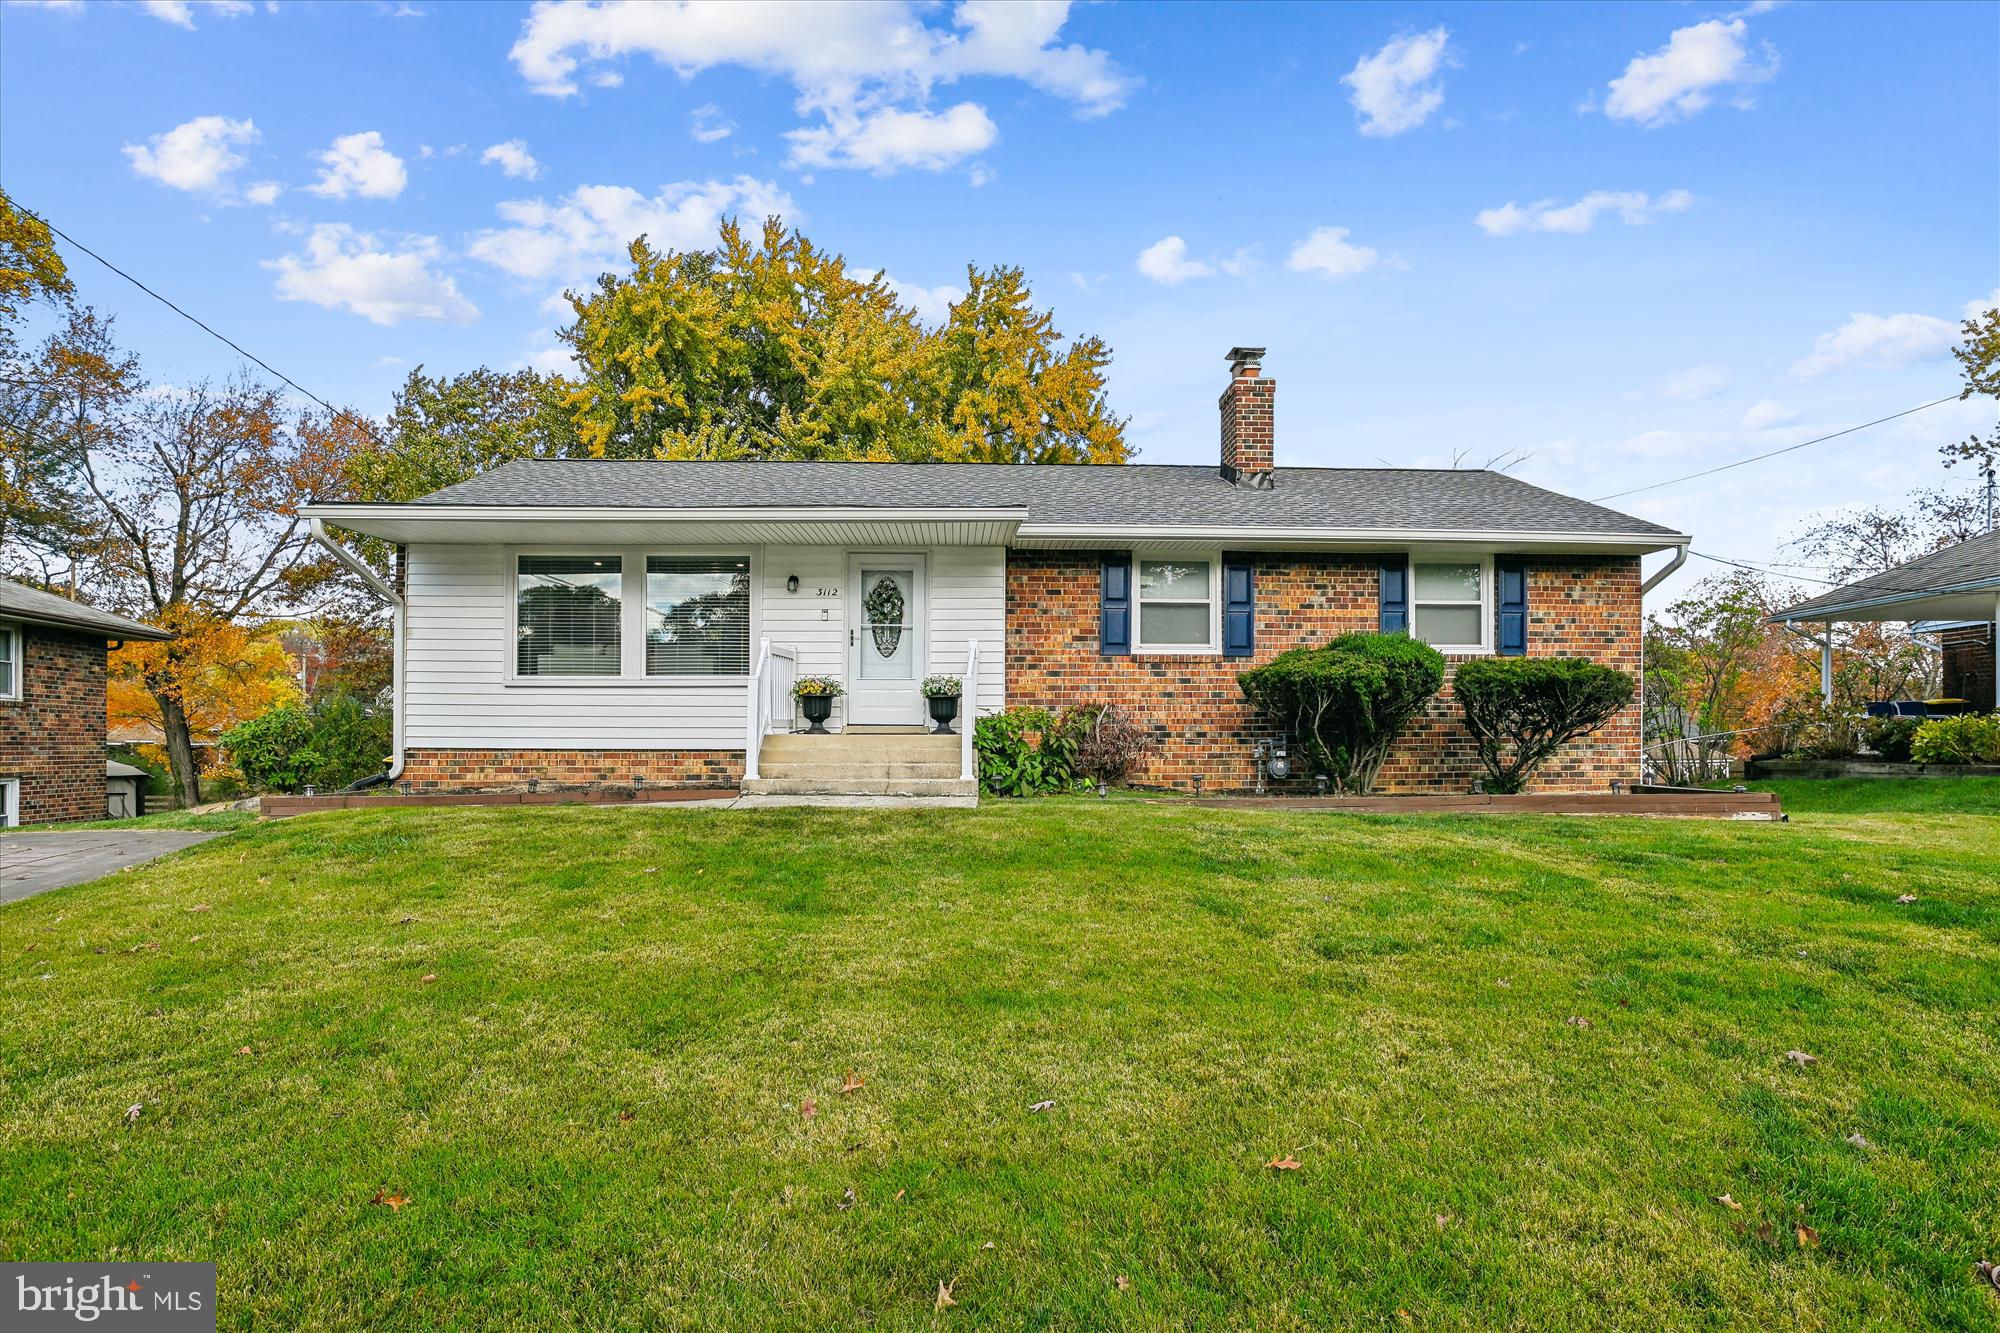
x,y
1581,606
1968,664
52,737
506,770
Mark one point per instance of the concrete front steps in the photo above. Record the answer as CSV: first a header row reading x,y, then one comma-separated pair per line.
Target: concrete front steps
x,y
884,768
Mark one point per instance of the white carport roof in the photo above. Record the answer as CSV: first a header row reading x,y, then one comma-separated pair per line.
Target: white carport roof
x,y
1960,582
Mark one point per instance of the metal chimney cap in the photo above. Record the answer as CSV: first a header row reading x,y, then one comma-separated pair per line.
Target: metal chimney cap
x,y
1245,356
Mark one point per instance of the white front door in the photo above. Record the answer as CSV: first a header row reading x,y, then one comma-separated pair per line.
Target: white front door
x,y
885,639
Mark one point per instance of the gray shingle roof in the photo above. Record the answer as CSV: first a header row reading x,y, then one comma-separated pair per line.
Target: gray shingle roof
x,y
1136,494
1966,566
45,608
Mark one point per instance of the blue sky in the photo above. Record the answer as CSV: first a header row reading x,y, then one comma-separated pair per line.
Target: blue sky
x,y
1628,241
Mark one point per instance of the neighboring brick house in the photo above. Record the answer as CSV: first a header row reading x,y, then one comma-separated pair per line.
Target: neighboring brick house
x,y
630,623
52,756
1953,592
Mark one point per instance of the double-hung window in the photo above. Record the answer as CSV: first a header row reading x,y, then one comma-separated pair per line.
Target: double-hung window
x,y
10,662
1176,605
568,614
1449,604
697,615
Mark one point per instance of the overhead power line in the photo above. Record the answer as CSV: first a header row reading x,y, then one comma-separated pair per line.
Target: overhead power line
x,y
1759,569
1790,448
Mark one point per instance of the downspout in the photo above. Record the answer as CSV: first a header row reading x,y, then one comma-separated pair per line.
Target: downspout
x,y
400,611
1680,558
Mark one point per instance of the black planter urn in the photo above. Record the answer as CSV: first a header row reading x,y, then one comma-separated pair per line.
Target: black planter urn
x,y
944,707
817,708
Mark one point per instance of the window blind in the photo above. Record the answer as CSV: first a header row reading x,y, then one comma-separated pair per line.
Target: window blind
x,y
697,615
567,615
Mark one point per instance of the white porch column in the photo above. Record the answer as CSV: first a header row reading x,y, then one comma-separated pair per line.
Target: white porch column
x,y
1826,664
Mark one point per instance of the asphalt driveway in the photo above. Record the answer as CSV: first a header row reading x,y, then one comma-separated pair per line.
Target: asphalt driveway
x,y
32,863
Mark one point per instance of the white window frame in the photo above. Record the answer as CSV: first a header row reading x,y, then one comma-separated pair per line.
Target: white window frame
x,y
1213,648
11,634
631,616
10,802
1486,614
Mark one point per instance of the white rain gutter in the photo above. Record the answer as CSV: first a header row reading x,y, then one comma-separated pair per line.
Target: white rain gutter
x,y
1680,558
400,611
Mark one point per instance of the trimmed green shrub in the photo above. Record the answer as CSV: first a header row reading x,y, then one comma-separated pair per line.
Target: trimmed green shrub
x,y
1521,710
328,746
1972,738
1345,702
1890,737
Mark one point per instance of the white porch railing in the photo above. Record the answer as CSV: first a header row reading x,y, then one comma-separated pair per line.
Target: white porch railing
x,y
771,679
967,764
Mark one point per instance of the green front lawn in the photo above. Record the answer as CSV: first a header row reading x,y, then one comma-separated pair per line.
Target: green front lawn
x,y
1515,1060
1867,796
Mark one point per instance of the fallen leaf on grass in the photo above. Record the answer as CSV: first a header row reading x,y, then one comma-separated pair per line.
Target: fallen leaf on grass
x,y
243,1050
1286,1163
624,1115
200,907
132,1112
989,1245
1766,1234
406,921
428,978
1991,1272
1443,1220
1728,1202
1577,1021
848,1199
808,1108
944,1295
853,1082
1808,1237
1906,899
1859,1142
899,1194
1040,1107
393,1202
1801,1059
1124,1283
196,939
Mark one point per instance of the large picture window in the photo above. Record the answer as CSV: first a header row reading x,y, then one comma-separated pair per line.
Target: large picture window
x,y
697,615
10,662
567,614
1176,605
1448,603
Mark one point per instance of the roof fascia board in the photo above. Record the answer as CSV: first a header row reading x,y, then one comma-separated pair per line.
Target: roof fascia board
x,y
339,514
1807,611
1652,541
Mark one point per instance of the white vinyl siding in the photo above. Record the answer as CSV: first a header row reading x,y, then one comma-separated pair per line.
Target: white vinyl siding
x,y
461,693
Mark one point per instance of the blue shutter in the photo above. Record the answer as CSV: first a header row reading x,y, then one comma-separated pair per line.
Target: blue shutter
x,y
1239,607
1511,573
1114,622
1395,598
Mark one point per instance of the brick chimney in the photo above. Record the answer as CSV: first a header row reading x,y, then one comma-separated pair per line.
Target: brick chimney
x,y
1248,437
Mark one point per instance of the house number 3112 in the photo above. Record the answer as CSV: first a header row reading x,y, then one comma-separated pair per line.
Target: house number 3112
x,y
826,592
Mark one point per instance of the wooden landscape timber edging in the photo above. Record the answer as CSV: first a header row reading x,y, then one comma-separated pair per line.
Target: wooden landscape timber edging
x,y
1745,805
283,807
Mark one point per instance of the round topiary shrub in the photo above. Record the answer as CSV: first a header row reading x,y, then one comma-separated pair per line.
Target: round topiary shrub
x,y
1345,703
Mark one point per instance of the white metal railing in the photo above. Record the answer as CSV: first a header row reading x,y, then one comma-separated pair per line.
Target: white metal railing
x,y
771,679
967,770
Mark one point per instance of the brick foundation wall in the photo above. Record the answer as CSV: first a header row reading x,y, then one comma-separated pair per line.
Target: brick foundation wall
x,y
1578,606
52,737
1968,664
507,770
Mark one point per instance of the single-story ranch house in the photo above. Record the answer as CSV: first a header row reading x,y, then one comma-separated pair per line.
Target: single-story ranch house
x,y
581,622
52,758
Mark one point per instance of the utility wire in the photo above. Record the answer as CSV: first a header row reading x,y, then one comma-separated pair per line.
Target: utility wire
x,y
233,345
1759,569
1790,448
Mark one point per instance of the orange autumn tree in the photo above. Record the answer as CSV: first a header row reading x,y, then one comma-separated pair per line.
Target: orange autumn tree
x,y
221,673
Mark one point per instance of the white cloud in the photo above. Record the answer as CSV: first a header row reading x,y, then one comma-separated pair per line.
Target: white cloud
x,y
708,125
1634,206
359,164
1884,341
513,159
197,155
1327,251
1166,261
865,71
1696,382
180,13
1976,310
888,140
263,192
588,230
343,269
1768,412
1395,90
932,304
1682,77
